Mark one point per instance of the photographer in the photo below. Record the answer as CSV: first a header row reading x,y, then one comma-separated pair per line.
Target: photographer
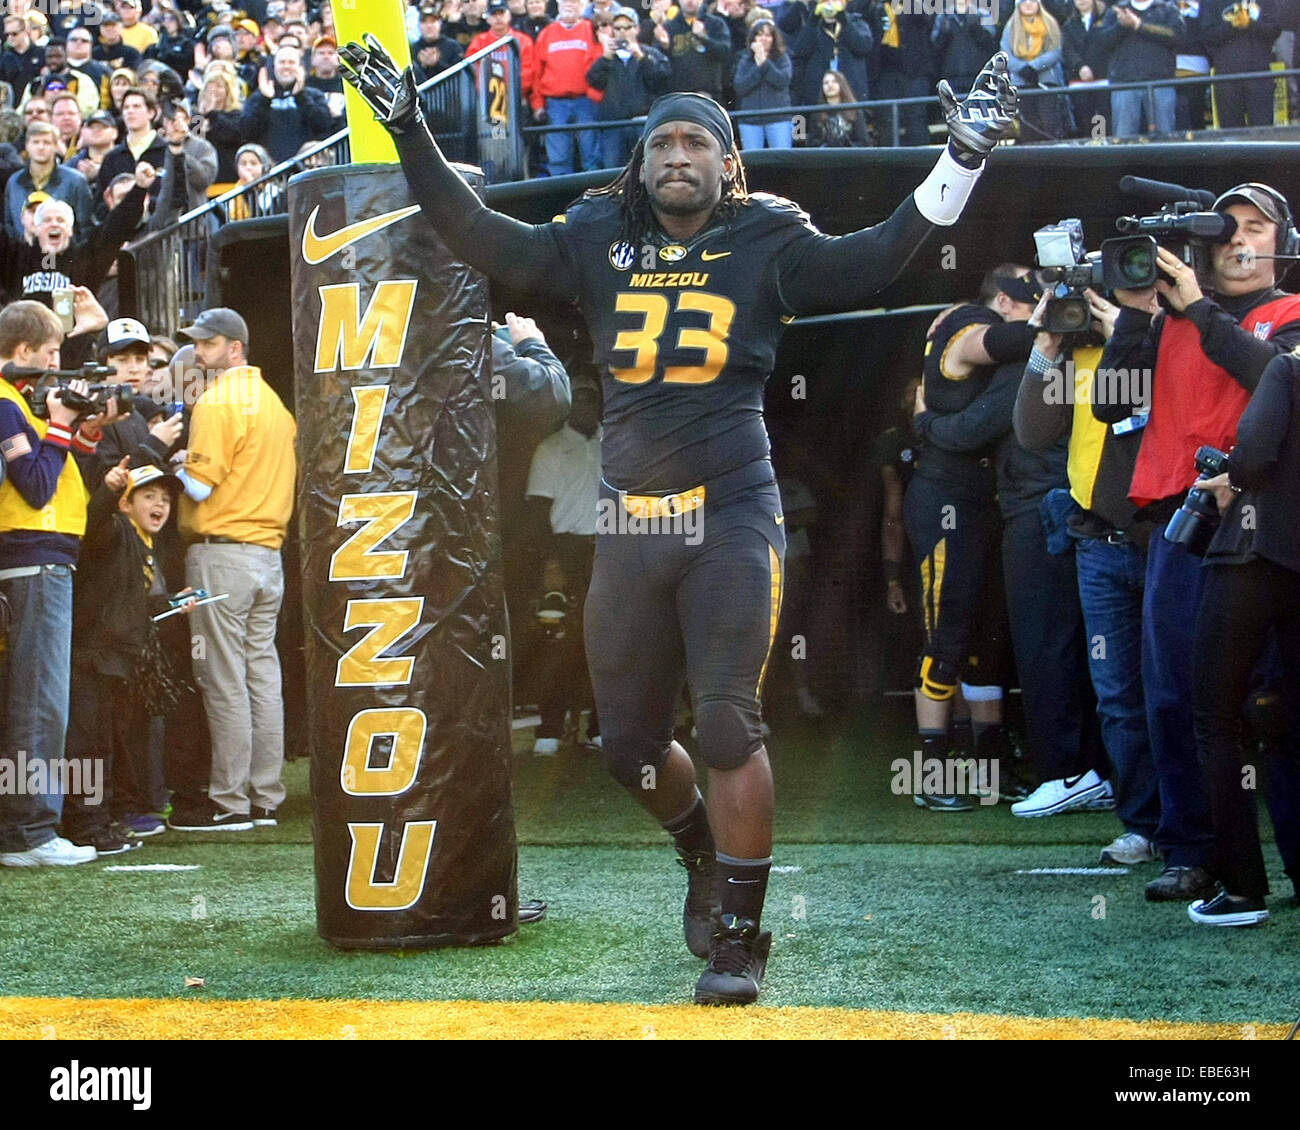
x,y
284,113
42,520
1141,36
1110,556
1251,595
631,74
1202,357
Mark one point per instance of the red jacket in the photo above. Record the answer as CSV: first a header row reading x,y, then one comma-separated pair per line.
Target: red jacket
x,y
562,57
527,74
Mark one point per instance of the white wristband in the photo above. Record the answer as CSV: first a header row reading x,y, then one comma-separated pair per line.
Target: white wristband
x,y
943,194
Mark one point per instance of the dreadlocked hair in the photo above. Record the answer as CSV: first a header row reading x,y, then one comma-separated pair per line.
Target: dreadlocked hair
x,y
637,217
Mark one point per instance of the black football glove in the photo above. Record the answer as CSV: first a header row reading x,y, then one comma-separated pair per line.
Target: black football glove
x,y
389,93
987,115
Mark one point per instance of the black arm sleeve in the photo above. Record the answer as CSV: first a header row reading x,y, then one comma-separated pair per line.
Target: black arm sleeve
x,y
1010,341
1264,425
1132,347
827,273
527,256
986,420
1237,350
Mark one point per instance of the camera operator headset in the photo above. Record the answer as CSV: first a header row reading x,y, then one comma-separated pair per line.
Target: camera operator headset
x,y
1252,593
1204,356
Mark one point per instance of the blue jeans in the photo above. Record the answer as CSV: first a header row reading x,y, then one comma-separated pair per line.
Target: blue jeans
x,y
559,145
616,146
1111,581
1128,111
775,135
1175,580
34,678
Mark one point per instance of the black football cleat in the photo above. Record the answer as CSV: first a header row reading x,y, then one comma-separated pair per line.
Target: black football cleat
x,y
701,905
737,961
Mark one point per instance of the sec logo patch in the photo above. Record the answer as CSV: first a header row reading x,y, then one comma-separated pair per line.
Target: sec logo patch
x,y
621,255
672,253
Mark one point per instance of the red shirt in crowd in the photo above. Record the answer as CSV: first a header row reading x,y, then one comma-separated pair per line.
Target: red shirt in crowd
x,y
562,57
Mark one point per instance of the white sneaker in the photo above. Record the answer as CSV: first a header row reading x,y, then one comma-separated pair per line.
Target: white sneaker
x,y
1053,797
595,743
546,747
1130,848
57,852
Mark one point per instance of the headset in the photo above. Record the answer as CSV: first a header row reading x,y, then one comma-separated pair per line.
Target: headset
x,y
1288,239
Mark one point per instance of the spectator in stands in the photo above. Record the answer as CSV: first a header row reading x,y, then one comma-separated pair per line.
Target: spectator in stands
x,y
11,129
1239,35
1141,37
631,74
221,47
462,20
142,144
112,50
175,46
763,77
135,32
565,51
325,77
36,110
272,30
160,81
832,40
534,19
284,112
698,46
218,119
21,60
44,173
498,18
57,75
1032,39
433,52
98,136
252,162
906,65
563,484
248,50
1085,58
81,61
65,116
240,435
838,128
963,40
1192,60
190,166
42,519
122,80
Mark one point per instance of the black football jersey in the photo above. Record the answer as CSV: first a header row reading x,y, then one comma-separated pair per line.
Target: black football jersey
x,y
951,394
685,336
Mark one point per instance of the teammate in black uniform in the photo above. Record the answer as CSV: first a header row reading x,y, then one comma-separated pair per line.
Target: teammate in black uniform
x,y
684,278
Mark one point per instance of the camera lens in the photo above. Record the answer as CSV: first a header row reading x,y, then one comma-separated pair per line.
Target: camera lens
x,y
1137,264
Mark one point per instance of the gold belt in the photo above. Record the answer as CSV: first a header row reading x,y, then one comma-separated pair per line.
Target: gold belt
x,y
663,505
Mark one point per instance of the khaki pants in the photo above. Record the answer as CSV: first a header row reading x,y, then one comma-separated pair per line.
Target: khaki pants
x,y
238,671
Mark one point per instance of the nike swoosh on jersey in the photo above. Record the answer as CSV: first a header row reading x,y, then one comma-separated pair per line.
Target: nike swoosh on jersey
x,y
317,248
709,256
780,518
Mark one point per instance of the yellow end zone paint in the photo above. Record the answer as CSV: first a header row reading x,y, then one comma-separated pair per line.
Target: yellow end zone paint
x,y
65,1018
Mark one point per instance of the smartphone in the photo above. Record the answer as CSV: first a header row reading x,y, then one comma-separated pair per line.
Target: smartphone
x,y
65,307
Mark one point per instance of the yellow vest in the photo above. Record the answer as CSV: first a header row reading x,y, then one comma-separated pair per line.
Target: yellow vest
x,y
1088,434
65,513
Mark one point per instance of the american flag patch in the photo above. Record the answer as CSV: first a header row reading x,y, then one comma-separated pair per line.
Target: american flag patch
x,y
1263,330
15,447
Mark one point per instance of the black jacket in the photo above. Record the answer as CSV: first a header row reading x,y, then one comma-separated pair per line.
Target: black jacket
x,y
1148,52
629,86
1235,50
962,45
1085,47
283,125
120,160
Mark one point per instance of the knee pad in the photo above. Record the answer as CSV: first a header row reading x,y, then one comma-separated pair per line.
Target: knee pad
x,y
937,678
626,757
729,731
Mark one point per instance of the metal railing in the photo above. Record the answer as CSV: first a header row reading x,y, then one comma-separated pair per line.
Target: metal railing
x,y
164,279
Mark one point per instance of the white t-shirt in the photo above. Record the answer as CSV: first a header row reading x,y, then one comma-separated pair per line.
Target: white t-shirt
x,y
566,469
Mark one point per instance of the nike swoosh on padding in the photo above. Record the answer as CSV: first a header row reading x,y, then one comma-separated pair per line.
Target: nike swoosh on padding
x,y
709,256
740,882
316,248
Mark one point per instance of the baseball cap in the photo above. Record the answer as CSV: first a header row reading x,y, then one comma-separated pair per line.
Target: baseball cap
x,y
36,199
497,6
221,32
149,473
430,10
101,118
110,17
219,320
123,332
1261,196
249,26
324,41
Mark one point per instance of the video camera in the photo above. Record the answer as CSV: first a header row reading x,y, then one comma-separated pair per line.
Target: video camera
x,y
1071,270
38,382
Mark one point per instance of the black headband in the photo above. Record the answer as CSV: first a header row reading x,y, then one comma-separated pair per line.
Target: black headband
x,y
697,108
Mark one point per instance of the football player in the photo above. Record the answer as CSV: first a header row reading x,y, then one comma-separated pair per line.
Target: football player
x,y
684,279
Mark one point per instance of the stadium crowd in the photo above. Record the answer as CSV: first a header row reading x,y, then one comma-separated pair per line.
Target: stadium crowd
x,y
161,105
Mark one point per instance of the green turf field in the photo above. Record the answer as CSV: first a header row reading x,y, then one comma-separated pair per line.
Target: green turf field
x,y
874,905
